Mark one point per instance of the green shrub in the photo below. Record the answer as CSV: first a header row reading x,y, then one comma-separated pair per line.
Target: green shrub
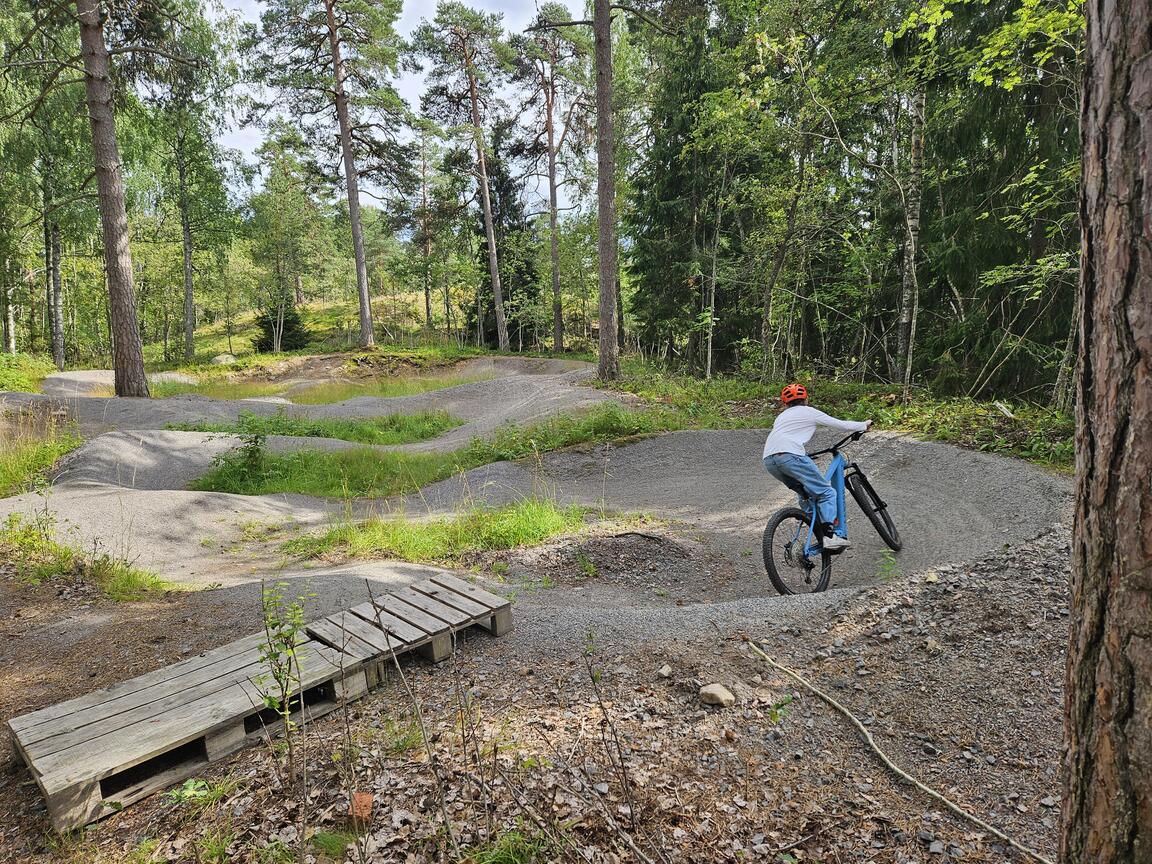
x,y
30,445
293,337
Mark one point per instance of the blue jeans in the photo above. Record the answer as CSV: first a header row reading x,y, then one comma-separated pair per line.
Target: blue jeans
x,y
791,469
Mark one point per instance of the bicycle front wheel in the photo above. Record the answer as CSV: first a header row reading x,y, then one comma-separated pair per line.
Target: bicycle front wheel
x,y
791,571
875,509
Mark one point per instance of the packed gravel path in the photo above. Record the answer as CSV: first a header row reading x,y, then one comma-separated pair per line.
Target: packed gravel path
x,y
126,491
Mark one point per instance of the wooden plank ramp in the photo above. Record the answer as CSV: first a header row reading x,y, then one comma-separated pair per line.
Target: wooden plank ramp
x,y
94,755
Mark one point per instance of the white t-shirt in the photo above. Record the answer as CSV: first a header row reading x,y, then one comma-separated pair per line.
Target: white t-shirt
x,y
794,427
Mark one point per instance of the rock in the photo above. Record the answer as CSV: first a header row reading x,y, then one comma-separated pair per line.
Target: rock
x,y
717,694
1048,801
664,671
223,359
936,848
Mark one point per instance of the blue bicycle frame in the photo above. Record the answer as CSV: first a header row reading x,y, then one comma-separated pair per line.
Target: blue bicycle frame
x,y
835,475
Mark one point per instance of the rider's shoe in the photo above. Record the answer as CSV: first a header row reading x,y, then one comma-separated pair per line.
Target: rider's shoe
x,y
835,543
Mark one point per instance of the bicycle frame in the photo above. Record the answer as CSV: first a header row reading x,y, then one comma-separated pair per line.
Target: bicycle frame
x,y
836,475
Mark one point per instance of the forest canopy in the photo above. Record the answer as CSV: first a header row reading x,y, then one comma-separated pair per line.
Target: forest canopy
x,y
874,192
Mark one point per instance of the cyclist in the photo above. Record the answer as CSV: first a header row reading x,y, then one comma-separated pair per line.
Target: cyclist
x,y
786,459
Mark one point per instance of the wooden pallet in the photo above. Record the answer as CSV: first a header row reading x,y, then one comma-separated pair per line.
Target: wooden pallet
x,y
93,755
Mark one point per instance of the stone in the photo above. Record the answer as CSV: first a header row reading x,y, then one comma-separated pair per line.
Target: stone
x,y
223,359
664,671
717,694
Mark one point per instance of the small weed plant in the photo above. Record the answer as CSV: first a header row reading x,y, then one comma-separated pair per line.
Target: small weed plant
x,y
282,677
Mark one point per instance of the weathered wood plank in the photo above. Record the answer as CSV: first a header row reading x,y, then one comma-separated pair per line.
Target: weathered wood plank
x,y
326,630
449,614
472,592
451,598
132,685
136,735
399,632
113,748
415,615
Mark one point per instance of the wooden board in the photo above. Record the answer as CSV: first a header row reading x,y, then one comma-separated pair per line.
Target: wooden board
x,y
93,754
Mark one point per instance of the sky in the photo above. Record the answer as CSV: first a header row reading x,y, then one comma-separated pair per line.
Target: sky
x,y
517,15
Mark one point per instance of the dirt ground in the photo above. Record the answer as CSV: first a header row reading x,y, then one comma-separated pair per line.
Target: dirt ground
x,y
956,672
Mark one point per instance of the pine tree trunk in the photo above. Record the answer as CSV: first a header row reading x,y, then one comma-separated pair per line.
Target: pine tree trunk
x,y
1107,807
486,202
352,180
910,299
127,354
553,212
427,244
609,366
186,242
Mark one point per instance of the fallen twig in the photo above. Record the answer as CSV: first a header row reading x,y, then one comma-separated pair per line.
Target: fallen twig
x,y
892,766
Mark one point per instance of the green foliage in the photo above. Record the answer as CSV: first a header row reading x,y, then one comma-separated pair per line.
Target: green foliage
x,y
380,388
391,429
527,522
23,373
31,552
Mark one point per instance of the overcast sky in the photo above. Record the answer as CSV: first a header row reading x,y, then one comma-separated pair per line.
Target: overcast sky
x,y
517,15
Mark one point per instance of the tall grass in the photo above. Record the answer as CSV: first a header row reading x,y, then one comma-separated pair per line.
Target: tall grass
x,y
527,522
391,429
31,551
31,442
216,389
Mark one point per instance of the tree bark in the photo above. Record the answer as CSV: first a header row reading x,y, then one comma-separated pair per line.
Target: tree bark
x,y
553,208
186,241
1107,806
486,202
127,354
9,298
910,294
609,366
352,180
427,238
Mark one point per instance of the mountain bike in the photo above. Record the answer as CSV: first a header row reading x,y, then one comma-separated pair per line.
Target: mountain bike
x,y
795,561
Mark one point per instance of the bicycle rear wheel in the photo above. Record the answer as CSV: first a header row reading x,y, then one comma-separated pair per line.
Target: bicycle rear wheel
x,y
875,509
791,571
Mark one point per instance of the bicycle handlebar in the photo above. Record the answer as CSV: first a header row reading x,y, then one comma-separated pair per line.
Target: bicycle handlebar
x,y
853,436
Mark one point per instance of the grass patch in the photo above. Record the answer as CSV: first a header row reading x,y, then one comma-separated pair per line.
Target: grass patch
x,y
30,551
445,540
392,429
604,423
512,847
333,844
358,473
218,389
24,373
380,388
1027,431
30,444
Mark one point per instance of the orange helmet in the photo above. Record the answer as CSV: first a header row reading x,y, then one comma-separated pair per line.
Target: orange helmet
x,y
793,393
